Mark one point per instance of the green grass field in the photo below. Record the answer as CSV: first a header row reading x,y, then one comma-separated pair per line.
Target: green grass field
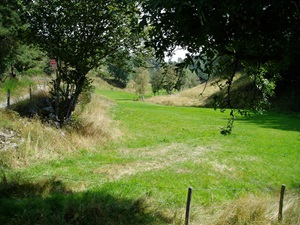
x,y
143,177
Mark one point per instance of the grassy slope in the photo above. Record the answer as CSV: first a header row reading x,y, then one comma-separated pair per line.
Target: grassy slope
x,y
163,151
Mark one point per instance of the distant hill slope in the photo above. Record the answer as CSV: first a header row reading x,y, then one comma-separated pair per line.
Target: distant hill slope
x,y
190,97
286,98
201,95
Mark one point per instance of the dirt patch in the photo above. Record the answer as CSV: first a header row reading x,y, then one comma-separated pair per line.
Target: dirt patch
x,y
222,168
155,158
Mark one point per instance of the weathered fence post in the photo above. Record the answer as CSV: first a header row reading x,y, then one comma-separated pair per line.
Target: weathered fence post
x,y
188,206
8,98
30,92
280,217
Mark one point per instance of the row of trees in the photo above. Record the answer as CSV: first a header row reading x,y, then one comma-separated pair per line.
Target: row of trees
x,y
167,78
260,37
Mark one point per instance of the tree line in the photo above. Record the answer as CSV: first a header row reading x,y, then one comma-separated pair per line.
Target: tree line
x,y
259,38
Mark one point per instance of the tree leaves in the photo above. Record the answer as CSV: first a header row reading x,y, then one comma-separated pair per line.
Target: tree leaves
x,y
229,35
79,34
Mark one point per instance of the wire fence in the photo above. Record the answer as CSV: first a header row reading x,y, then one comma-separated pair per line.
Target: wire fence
x,y
31,91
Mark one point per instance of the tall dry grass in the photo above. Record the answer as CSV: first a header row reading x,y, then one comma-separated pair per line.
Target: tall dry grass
x,y
196,96
201,95
95,127
39,142
252,210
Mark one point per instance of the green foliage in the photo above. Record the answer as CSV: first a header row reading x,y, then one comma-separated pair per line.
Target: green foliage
x,y
122,62
10,26
264,77
15,83
141,80
223,37
189,79
33,72
79,36
170,77
47,69
119,73
27,57
156,80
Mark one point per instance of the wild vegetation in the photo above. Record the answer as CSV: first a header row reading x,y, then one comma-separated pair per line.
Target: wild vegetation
x,y
77,146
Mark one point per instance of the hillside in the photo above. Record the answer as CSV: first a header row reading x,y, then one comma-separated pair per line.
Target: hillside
x,y
285,99
201,95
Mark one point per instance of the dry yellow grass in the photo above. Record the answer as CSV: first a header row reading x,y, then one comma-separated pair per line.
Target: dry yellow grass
x,y
189,97
200,95
158,158
249,210
42,142
95,125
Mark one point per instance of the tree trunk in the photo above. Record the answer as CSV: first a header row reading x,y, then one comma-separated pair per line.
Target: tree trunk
x,y
66,99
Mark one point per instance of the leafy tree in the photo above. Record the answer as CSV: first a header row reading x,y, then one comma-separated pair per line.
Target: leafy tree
x,y
127,61
120,72
172,78
156,80
10,26
190,79
120,66
79,35
169,77
141,81
26,57
262,37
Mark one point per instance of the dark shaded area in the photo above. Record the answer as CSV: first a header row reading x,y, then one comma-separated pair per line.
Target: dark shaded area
x,y
243,94
37,105
49,202
287,93
114,82
281,121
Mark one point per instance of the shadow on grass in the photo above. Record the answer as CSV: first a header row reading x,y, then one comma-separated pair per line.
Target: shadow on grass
x,y
49,202
282,121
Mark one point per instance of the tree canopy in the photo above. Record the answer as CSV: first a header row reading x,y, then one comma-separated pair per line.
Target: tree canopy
x,y
10,24
79,35
260,37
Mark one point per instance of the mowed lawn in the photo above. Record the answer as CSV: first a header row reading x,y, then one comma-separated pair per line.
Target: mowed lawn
x,y
164,150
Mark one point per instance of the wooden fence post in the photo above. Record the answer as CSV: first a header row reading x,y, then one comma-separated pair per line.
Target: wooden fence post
x,y
188,206
8,98
280,217
30,92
